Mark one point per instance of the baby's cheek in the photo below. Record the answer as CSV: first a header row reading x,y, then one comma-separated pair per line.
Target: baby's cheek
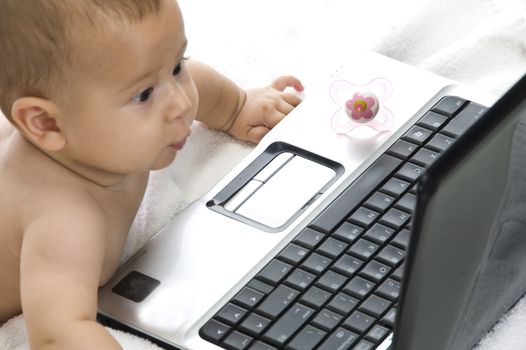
x,y
195,104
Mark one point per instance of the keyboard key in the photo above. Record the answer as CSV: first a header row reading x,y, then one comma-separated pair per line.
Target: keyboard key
x,y
299,279
363,249
306,339
280,332
395,187
417,135
332,247
260,286
402,239
391,255
432,120
467,117
379,201
274,272
377,334
316,263
315,297
389,318
390,289
359,322
254,324
293,254
407,203
449,105
347,232
440,142
309,238
339,339
331,281
375,306
375,271
359,287
231,314
379,233
402,149
363,217
248,297
347,265
395,218
277,301
214,331
410,172
327,320
425,157
342,303
237,341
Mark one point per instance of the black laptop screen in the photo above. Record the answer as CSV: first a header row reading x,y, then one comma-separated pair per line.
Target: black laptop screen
x,y
467,258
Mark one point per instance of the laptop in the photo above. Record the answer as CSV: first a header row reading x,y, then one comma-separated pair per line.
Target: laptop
x,y
365,240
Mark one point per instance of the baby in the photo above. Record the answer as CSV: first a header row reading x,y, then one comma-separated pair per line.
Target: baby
x,y
99,93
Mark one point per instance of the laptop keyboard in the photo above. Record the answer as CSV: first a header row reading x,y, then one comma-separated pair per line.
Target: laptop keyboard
x,y
337,283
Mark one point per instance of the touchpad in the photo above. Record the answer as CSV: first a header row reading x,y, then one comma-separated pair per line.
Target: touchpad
x,y
276,187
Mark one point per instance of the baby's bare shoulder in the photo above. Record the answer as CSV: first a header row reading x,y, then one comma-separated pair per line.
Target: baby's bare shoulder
x,y
52,205
30,194
66,202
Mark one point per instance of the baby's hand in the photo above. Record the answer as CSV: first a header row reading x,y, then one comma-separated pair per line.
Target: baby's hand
x,y
264,108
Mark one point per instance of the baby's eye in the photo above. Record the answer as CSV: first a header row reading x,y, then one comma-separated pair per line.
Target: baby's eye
x,y
143,96
177,69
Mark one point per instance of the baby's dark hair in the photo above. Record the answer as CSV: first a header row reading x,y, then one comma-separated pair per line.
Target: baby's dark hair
x,y
37,40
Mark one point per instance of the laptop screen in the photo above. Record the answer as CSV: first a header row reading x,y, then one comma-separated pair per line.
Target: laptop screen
x,y
466,261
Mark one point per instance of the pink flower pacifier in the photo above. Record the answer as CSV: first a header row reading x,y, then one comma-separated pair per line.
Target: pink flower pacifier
x,y
361,105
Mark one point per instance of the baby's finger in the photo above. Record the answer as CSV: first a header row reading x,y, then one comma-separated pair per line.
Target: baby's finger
x,y
273,119
285,81
283,107
256,133
291,98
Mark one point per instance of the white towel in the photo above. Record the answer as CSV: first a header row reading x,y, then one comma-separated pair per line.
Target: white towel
x,y
480,43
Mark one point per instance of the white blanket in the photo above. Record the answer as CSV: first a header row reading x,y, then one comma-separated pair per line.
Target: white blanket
x,y
481,43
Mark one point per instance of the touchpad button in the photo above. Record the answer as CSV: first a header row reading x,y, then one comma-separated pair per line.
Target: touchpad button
x,y
286,192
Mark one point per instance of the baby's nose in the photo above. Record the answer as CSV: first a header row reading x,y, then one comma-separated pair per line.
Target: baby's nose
x,y
180,103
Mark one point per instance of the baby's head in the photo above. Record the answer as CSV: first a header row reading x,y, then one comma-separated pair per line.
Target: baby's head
x,y
91,74
41,41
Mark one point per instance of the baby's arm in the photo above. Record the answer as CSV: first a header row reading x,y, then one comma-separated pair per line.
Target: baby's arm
x,y
61,261
247,115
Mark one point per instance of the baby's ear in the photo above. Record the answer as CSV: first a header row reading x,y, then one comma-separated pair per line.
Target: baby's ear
x,y
36,118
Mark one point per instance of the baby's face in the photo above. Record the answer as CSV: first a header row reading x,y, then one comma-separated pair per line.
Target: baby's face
x,y
134,108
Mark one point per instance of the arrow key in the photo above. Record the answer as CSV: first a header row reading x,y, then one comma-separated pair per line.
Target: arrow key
x,y
254,324
231,314
214,331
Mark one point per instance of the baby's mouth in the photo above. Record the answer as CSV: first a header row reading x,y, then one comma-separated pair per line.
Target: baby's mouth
x,y
179,145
